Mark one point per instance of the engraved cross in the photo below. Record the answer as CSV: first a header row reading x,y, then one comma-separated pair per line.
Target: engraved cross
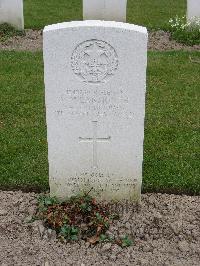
x,y
94,140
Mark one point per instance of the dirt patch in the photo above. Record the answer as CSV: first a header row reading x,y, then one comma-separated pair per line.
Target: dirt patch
x,y
165,229
32,41
161,41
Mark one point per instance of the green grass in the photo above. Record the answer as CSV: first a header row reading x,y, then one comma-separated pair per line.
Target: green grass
x,y
154,14
23,154
150,13
171,162
39,13
172,138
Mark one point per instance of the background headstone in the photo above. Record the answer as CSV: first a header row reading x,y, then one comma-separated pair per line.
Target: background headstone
x,y
11,11
112,10
95,80
193,9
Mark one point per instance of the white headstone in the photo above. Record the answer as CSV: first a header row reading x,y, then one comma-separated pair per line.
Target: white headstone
x,y
193,9
11,11
105,10
95,80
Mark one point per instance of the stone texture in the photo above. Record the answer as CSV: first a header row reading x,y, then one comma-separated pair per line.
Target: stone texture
x,y
95,80
11,11
193,9
105,10
3,212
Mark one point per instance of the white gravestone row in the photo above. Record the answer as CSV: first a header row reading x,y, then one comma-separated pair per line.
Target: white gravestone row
x,y
11,11
193,10
95,80
105,10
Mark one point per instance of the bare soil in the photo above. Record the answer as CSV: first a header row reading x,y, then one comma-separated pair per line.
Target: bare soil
x,y
165,230
161,41
32,41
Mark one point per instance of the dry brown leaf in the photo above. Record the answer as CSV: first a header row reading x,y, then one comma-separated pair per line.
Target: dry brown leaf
x,y
93,240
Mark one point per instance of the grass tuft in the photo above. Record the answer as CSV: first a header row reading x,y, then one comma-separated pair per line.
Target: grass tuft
x,y
185,32
7,31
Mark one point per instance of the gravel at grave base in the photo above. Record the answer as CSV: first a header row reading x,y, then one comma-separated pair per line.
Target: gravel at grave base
x,y
161,41
32,41
165,229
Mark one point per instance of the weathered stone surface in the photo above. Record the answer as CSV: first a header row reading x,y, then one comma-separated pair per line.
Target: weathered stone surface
x,y
193,9
11,11
3,212
105,10
95,80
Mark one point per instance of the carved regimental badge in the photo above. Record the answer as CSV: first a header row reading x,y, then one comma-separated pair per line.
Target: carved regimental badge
x,y
94,61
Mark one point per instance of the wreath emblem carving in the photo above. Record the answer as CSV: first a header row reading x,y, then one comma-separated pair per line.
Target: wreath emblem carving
x,y
94,61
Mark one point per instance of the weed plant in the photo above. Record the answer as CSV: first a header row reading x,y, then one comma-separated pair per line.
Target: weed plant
x,y
80,217
185,32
